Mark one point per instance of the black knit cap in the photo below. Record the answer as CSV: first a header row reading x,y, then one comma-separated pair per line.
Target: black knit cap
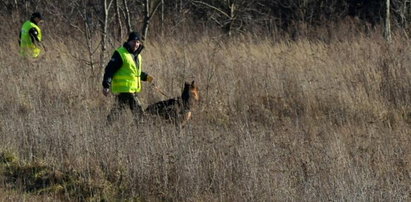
x,y
133,36
36,15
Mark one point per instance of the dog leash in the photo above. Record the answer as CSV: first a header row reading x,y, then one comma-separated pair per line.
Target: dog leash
x,y
159,90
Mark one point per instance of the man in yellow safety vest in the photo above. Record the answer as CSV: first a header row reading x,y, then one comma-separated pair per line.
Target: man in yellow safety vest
x,y
123,75
30,37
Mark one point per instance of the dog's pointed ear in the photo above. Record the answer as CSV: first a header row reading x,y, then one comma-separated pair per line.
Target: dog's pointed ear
x,y
192,83
186,85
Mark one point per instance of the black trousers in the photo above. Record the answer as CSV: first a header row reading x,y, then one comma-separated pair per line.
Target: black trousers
x,y
124,100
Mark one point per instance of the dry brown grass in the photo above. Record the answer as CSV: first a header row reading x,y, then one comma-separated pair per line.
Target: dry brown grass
x,y
278,121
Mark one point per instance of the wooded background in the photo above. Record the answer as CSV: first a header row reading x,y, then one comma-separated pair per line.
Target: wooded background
x,y
115,17
98,24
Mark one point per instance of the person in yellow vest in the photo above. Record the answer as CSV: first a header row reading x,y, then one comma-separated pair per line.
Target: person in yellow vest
x,y
30,36
123,75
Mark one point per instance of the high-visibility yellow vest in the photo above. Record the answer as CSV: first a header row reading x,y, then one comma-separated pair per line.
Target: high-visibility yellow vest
x,y
27,47
127,78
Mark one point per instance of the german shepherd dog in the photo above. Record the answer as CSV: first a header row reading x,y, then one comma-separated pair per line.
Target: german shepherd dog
x,y
177,110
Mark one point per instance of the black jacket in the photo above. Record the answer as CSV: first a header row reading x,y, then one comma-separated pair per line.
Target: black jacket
x,y
115,64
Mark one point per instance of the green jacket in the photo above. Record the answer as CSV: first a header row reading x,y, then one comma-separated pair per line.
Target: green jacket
x,y
27,46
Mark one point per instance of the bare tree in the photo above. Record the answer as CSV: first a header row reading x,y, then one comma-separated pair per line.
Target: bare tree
x,y
127,16
387,23
150,8
401,11
87,28
230,15
104,25
118,17
162,16
228,11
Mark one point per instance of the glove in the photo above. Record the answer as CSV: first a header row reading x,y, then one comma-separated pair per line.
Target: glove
x,y
150,79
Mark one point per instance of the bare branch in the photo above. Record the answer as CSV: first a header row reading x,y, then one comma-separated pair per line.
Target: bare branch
x,y
155,8
213,7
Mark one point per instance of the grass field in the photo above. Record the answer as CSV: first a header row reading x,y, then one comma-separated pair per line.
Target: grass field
x,y
279,120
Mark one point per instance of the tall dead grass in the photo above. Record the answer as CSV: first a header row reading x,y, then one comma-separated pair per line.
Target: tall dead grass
x,y
278,121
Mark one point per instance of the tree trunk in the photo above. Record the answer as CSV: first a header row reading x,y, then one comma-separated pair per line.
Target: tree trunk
x,y
128,20
148,14
120,26
387,24
104,27
162,16
88,30
146,19
230,25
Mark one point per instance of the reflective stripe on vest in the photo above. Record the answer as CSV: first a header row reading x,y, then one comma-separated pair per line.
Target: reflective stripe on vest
x,y
27,47
127,78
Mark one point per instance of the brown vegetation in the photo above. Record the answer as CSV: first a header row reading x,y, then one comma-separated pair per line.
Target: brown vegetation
x,y
279,120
